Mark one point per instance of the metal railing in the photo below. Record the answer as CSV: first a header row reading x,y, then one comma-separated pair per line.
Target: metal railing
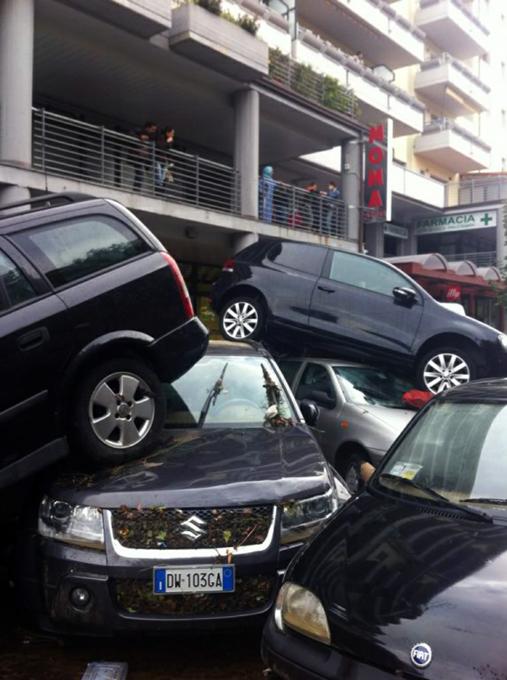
x,y
485,259
290,206
446,58
481,190
302,79
69,147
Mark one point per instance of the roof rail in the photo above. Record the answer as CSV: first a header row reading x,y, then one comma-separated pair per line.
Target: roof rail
x,y
43,202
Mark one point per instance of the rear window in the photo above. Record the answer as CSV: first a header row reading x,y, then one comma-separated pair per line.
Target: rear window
x,y
304,258
15,288
74,249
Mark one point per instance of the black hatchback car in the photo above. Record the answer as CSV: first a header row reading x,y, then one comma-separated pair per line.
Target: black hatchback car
x,y
410,577
354,306
200,531
93,314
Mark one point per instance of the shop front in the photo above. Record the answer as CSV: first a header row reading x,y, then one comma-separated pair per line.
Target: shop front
x,y
199,279
475,288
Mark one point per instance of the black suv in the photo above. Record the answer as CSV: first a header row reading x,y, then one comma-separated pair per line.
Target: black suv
x,y
199,532
94,313
352,305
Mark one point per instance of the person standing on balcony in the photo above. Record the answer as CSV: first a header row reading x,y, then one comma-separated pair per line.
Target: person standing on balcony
x,y
163,164
144,156
266,191
332,196
312,206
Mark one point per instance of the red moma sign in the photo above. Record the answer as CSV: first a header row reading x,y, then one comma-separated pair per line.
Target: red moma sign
x,y
378,159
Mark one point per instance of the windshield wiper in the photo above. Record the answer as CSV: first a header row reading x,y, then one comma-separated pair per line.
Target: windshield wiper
x,y
212,397
492,501
477,514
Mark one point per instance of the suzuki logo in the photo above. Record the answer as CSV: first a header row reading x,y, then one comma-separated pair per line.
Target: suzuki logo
x,y
193,528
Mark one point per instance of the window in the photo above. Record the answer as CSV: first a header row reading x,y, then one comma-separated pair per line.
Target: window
x,y
315,379
15,288
361,272
71,250
289,370
308,259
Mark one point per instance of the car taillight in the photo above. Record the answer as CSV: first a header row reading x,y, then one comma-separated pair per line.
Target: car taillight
x,y
228,266
182,286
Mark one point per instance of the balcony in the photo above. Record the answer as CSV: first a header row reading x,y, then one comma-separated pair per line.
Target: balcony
x,y
447,144
453,28
371,26
377,98
217,43
144,18
413,185
68,148
452,87
307,82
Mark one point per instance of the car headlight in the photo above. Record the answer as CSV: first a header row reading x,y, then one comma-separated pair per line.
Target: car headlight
x,y
299,609
502,339
302,518
77,524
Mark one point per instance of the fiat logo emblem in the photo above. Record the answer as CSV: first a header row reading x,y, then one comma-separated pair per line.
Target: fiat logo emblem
x,y
421,655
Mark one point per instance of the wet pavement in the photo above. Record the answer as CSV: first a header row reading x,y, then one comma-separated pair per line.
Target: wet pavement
x,y
26,654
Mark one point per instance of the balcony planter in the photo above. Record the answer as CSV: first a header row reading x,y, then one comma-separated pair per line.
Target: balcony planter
x,y
217,43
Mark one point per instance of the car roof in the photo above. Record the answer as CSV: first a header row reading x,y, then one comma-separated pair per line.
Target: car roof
x,y
486,390
236,348
47,204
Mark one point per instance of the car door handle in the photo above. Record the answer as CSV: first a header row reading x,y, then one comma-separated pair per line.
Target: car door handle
x,y
33,339
326,290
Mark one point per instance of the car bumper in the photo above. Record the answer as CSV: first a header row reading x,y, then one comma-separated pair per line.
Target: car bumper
x,y
294,657
121,592
174,353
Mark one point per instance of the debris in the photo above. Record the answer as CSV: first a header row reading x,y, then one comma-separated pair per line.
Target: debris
x,y
105,670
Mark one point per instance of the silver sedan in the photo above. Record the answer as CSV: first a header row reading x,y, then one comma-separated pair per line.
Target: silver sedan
x,y
361,409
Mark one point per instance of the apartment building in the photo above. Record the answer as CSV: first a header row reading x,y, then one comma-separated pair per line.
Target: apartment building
x,y
291,85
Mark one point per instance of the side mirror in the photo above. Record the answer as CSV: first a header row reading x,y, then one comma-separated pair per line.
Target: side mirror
x,y
405,295
310,412
321,398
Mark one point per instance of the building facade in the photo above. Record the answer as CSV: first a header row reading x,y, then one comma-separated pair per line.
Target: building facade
x,y
270,101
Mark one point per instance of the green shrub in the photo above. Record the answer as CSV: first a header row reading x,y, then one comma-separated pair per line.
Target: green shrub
x,y
213,6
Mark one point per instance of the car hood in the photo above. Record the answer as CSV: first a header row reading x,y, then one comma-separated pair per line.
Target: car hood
x,y
394,419
206,467
392,574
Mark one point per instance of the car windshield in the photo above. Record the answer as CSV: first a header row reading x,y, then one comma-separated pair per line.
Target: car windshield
x,y
455,449
228,390
373,386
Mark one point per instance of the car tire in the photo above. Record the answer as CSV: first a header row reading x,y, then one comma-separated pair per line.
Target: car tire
x,y
444,368
351,472
119,411
242,319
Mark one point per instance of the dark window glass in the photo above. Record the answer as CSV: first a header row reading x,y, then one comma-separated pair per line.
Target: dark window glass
x,y
72,250
315,378
15,288
308,259
364,385
289,370
364,273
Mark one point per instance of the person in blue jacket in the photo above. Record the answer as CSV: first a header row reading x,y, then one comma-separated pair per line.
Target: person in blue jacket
x,y
266,190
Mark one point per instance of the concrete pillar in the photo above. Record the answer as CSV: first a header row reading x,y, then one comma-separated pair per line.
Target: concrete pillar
x,y
409,246
352,180
374,239
246,149
13,194
16,80
242,241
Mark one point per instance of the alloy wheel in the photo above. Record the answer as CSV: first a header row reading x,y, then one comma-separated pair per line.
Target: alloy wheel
x,y
240,320
444,371
121,410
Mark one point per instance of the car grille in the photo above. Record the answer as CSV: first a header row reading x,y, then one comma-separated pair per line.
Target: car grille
x,y
251,594
175,529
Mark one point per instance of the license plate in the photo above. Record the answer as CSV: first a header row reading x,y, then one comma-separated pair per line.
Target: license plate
x,y
180,580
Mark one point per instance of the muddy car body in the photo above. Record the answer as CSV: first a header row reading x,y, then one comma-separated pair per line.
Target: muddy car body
x,y
222,493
